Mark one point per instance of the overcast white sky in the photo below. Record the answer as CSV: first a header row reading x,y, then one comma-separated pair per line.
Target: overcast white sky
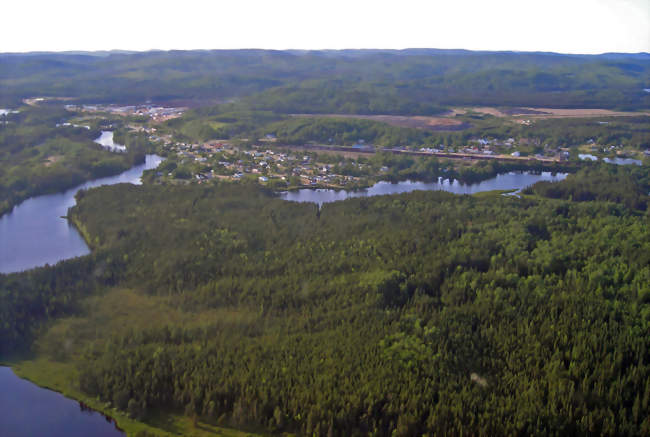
x,y
567,26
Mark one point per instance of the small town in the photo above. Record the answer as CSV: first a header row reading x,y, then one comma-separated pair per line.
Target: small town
x,y
312,165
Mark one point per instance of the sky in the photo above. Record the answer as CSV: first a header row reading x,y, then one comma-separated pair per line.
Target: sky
x,y
565,26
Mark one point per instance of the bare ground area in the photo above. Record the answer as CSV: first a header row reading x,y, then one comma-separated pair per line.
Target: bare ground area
x,y
416,122
52,160
567,113
547,112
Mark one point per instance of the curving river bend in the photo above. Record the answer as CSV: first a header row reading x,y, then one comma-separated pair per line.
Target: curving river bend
x,y
35,233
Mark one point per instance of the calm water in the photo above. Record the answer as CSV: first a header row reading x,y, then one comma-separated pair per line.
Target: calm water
x,y
34,234
106,141
27,410
617,161
506,181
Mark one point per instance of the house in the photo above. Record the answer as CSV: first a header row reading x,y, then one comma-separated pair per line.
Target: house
x,y
516,154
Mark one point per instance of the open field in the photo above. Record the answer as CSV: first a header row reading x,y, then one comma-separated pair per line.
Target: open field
x,y
416,121
453,120
547,112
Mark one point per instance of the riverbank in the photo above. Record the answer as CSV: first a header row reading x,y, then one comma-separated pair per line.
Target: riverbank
x,y
35,234
71,180
61,377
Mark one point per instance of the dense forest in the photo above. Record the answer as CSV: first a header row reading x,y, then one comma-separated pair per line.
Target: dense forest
x,y
38,157
418,314
611,183
353,81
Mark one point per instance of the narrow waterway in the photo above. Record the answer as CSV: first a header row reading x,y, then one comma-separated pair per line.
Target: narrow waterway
x,y
34,233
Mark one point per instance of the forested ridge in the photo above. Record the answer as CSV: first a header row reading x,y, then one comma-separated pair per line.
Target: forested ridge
x,y
363,81
417,314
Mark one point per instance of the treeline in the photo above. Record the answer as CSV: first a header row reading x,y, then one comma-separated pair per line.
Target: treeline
x,y
31,299
220,122
425,313
628,185
344,131
399,167
347,97
614,131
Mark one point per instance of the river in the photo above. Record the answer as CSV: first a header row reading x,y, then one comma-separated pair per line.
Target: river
x,y
34,233
27,410
505,181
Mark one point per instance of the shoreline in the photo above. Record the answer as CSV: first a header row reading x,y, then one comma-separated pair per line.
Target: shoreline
x,y
54,376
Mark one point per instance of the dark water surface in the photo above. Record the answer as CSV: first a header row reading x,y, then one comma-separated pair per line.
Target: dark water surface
x,y
27,410
506,181
34,234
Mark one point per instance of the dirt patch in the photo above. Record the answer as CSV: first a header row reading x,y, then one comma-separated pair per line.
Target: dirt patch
x,y
529,112
523,111
52,160
414,122
577,113
481,110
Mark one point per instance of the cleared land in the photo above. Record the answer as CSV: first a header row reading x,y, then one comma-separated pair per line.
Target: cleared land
x,y
417,121
449,122
547,112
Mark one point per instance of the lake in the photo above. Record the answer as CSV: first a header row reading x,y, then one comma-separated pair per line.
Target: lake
x,y
27,410
505,181
34,234
106,141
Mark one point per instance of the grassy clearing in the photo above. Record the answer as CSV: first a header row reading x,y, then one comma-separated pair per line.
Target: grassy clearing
x,y
58,349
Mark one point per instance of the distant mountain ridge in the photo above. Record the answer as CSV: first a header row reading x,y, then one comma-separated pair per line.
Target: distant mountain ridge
x,y
407,51
411,79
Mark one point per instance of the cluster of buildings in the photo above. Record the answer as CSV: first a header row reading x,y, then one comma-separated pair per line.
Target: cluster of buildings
x,y
156,113
220,159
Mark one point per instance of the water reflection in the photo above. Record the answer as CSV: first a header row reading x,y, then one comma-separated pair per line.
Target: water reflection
x,y
506,181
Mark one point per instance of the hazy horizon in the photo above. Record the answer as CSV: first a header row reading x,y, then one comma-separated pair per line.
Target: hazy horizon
x,y
121,50
577,27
